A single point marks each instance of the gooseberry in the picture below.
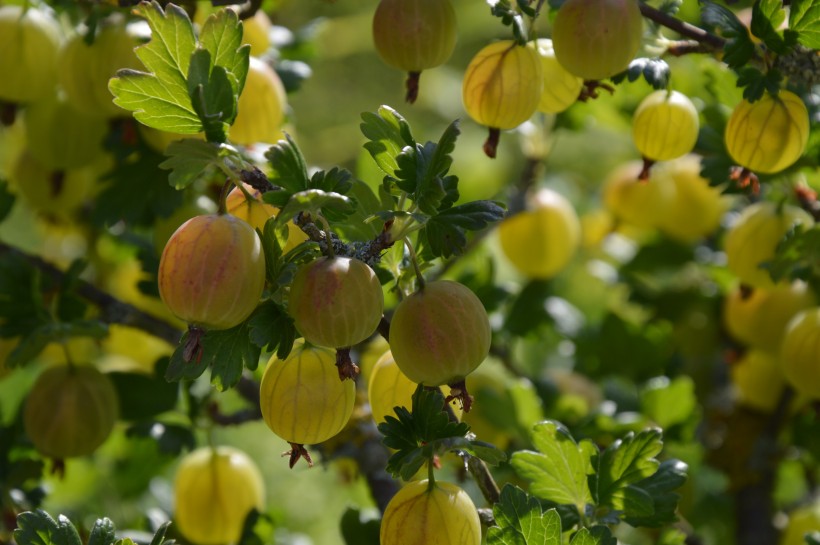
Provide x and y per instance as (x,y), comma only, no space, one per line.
(694,208)
(542,239)
(70,411)
(414,35)
(257,212)
(640,203)
(798,352)
(425,513)
(758,380)
(561,88)
(770,134)
(54,192)
(84,69)
(440,333)
(336,302)
(60,137)
(596,39)
(214,490)
(754,237)
(261,106)
(29,44)
(212,271)
(164,228)
(502,87)
(301,397)
(758,318)
(665,126)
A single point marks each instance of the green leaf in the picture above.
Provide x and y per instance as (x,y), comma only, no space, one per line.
(160,98)
(521,522)
(596,535)
(190,160)
(660,486)
(804,18)
(669,402)
(102,533)
(136,192)
(445,231)
(227,352)
(419,434)
(755,83)
(356,227)
(211,94)
(144,396)
(159,535)
(222,36)
(171,439)
(739,48)
(358,530)
(623,463)
(335,180)
(6,200)
(272,329)
(388,133)
(559,470)
(767,16)
(38,528)
(288,168)
(797,256)
(35,341)
(316,202)
(812,538)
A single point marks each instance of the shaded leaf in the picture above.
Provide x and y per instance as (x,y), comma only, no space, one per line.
(446,231)
(190,160)
(102,533)
(767,16)
(272,329)
(659,487)
(521,521)
(388,133)
(623,463)
(38,528)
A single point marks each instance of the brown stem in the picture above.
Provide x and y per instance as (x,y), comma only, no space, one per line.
(347,369)
(491,144)
(481,473)
(458,390)
(112,310)
(412,86)
(681,27)
(8,113)
(296,452)
(647,166)
(686,47)
(193,344)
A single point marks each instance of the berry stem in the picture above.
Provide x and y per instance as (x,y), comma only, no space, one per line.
(415,262)
(223,196)
(491,144)
(412,86)
(331,253)
(347,369)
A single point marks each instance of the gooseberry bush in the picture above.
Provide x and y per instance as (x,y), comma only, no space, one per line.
(225,241)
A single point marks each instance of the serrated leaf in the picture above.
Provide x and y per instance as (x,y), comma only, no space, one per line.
(222,36)
(212,95)
(804,18)
(289,170)
(559,470)
(445,232)
(316,202)
(38,528)
(190,160)
(160,97)
(623,463)
(521,522)
(35,341)
(226,352)
(388,133)
(136,192)
(358,530)
(102,533)
(336,180)
(767,16)
(659,487)
(596,535)
(739,48)
(755,83)
(272,329)
(797,255)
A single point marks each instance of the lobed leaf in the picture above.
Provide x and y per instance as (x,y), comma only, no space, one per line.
(559,470)
(520,521)
(623,463)
(804,18)
(38,528)
(387,133)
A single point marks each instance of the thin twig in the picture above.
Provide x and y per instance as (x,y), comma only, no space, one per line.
(681,27)
(112,310)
